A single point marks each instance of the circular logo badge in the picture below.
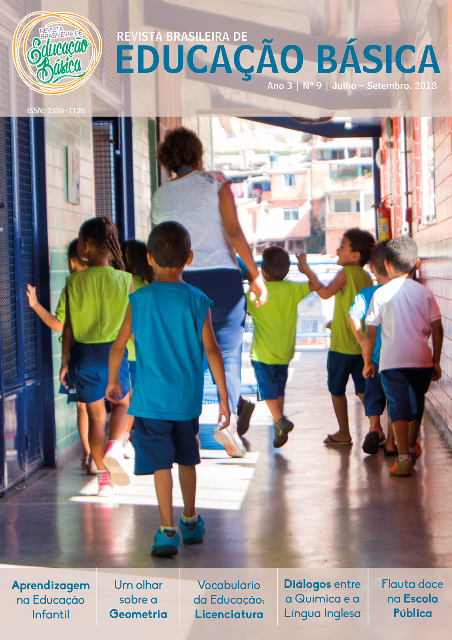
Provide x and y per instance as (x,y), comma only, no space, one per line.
(56,53)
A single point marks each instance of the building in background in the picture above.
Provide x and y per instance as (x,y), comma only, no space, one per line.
(292,189)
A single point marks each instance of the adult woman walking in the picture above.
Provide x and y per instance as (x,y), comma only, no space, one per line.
(203,202)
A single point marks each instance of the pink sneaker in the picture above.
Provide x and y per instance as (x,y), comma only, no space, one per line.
(115,462)
(105,485)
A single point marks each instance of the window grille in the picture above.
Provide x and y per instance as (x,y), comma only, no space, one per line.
(7,266)
(104,168)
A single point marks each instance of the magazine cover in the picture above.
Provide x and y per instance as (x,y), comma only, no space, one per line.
(225,319)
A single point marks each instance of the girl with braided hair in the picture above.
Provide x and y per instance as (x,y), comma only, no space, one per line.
(96,302)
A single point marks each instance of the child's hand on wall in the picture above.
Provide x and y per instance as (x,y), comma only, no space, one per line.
(31,295)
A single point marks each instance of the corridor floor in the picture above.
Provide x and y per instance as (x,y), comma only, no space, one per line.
(304,505)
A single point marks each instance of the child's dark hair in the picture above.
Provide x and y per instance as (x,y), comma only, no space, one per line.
(180,147)
(361,241)
(123,245)
(104,234)
(72,253)
(401,253)
(377,258)
(276,262)
(136,260)
(169,244)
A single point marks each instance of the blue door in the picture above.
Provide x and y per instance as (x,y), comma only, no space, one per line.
(21,436)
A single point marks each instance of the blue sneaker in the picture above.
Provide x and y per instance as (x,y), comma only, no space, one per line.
(192,532)
(166,543)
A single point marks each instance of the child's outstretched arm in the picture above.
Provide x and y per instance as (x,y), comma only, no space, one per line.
(330,289)
(369,344)
(437,341)
(47,318)
(314,282)
(215,360)
(114,389)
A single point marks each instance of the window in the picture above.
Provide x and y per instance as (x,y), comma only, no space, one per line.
(325,154)
(337,154)
(343,206)
(289,180)
(427,171)
(291,214)
(352,153)
(104,143)
(366,153)
(342,172)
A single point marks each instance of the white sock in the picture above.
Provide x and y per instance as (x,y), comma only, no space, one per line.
(402,458)
(192,519)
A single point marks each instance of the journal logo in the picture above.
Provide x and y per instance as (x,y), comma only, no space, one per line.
(55,53)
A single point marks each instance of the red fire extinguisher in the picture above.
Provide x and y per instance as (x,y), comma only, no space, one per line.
(384,224)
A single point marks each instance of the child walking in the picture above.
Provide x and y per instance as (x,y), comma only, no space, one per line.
(96,301)
(408,314)
(172,326)
(275,325)
(56,323)
(374,395)
(345,355)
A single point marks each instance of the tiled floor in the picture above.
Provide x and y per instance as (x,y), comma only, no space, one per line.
(304,505)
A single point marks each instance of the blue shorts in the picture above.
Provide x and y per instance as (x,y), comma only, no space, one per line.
(374,395)
(405,390)
(340,366)
(159,443)
(88,371)
(271,379)
(132,372)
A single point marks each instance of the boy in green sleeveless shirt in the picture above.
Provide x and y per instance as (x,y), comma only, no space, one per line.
(345,356)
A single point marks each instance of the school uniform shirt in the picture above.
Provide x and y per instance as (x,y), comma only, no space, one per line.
(405,310)
(138,283)
(167,322)
(342,337)
(98,299)
(359,309)
(275,322)
(60,311)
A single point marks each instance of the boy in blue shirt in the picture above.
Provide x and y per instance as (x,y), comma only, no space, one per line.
(171,324)
(374,397)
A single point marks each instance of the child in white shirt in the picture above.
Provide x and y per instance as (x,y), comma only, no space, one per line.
(408,314)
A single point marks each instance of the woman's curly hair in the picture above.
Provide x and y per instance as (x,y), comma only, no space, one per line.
(180,148)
